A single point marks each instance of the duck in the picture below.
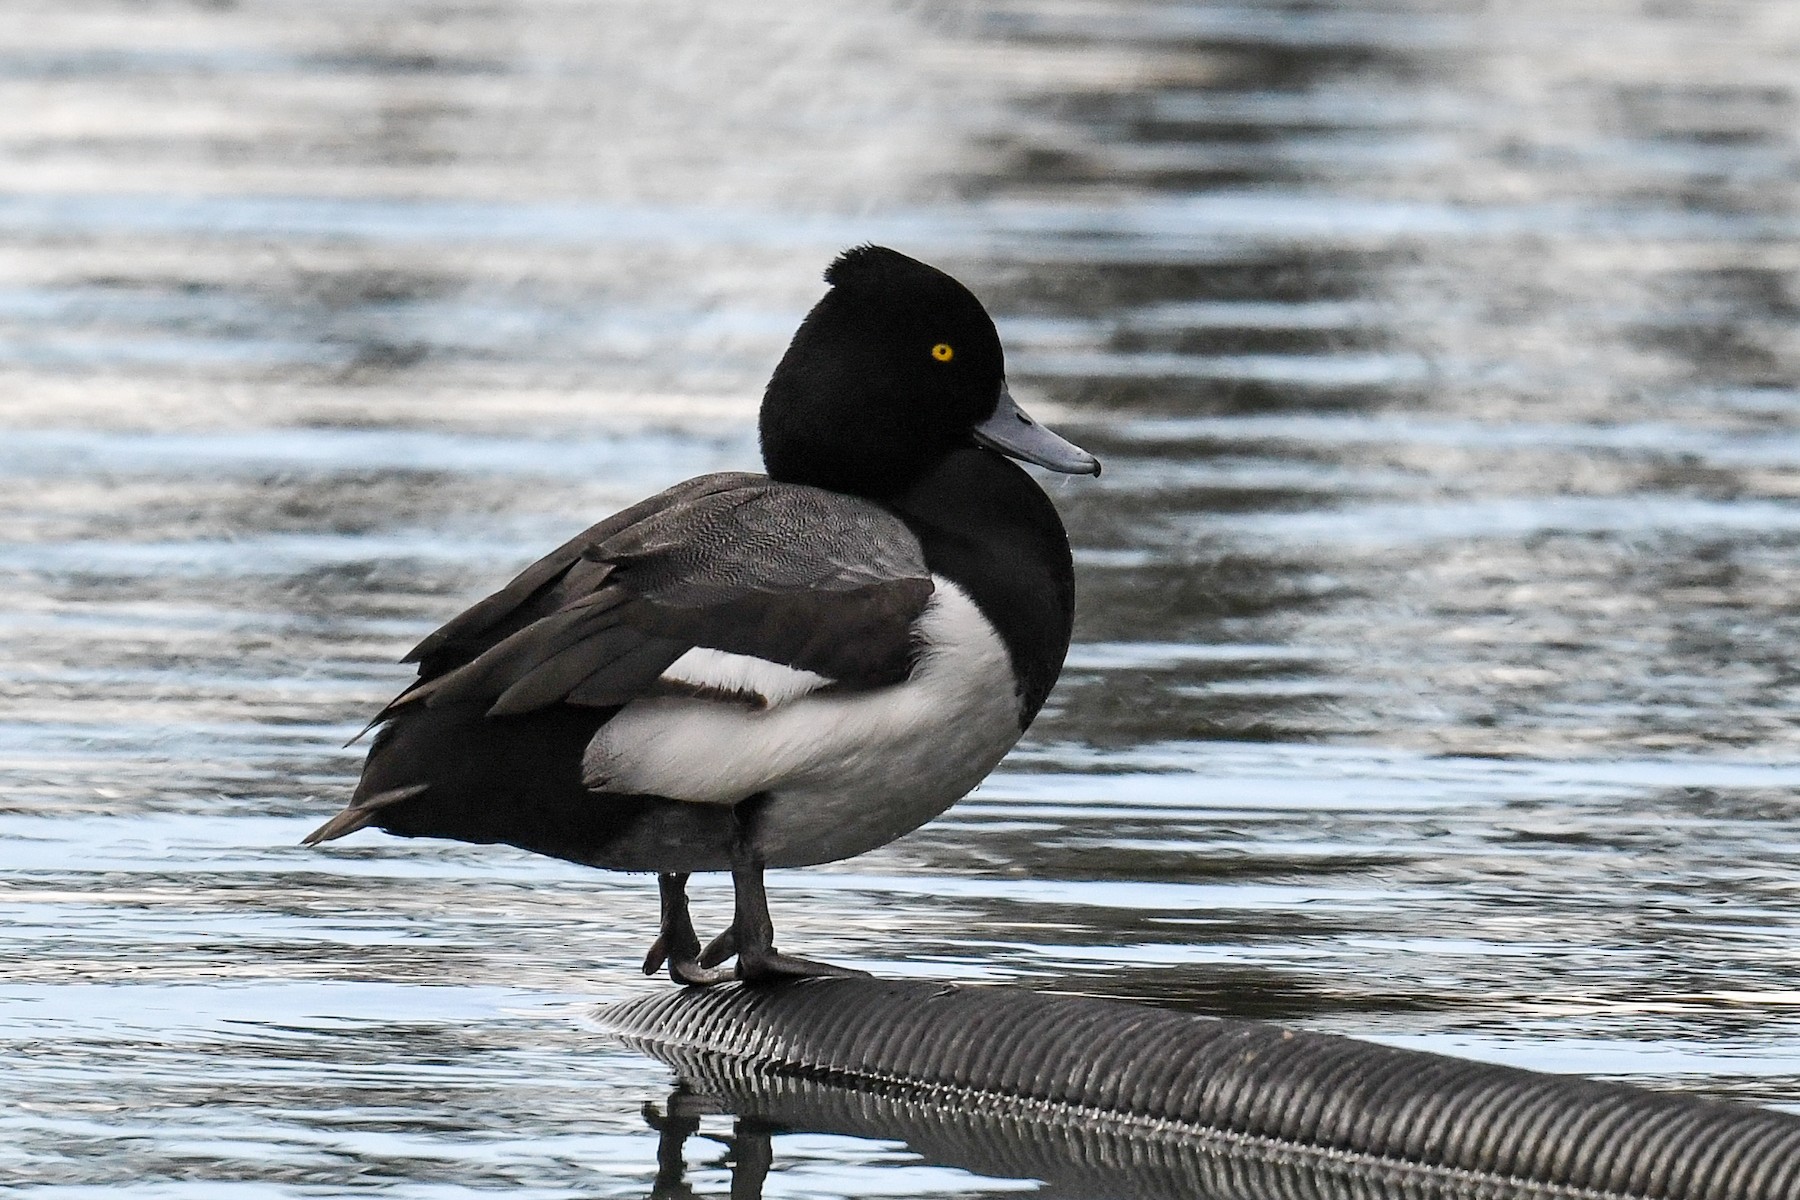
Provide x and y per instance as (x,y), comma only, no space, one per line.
(753,671)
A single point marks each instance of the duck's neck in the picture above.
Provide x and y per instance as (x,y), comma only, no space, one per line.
(988,528)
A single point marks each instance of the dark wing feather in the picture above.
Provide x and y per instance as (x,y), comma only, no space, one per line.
(631,675)
(484,624)
(794,575)
(608,669)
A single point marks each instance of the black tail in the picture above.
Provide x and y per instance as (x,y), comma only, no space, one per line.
(452,771)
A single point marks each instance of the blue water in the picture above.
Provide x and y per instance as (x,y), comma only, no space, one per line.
(1434,678)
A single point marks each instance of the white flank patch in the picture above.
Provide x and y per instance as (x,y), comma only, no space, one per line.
(743,674)
(844,772)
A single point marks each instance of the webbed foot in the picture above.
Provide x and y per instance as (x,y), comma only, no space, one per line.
(772,966)
(720,948)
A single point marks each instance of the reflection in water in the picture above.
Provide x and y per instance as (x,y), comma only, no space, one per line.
(1068,1163)
(749,1151)
(1434,673)
(1098,1098)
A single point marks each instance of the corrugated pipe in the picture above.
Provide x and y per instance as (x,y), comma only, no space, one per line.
(1114,1098)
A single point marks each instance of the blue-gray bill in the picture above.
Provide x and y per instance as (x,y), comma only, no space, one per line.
(1013,433)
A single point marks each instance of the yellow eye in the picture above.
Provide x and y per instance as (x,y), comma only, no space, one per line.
(943,352)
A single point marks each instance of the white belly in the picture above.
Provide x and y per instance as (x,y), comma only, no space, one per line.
(843,772)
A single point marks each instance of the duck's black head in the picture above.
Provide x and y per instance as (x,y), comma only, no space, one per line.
(896,367)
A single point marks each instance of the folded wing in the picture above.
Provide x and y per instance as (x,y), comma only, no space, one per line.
(752,571)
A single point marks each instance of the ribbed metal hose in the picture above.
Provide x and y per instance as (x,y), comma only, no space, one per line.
(1339,1117)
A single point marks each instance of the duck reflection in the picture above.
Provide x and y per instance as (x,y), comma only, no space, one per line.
(980,1146)
(1069,1161)
(749,1151)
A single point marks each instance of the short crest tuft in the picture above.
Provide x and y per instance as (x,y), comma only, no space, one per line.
(867,262)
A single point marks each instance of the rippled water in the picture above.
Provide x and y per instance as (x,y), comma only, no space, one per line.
(1434,679)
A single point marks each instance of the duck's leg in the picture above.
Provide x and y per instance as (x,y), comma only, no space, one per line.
(676,943)
(671,894)
(748,1150)
(757,958)
(681,1122)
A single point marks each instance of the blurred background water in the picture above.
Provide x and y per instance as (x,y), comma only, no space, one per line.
(1434,677)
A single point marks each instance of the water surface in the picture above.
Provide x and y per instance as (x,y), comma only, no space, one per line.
(1433,680)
